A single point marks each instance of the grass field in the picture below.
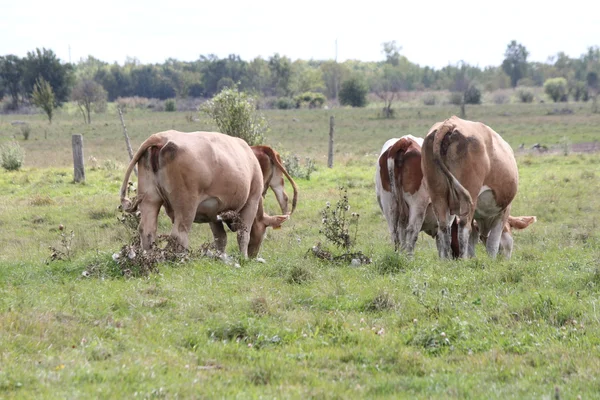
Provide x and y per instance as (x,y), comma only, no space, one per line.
(297,326)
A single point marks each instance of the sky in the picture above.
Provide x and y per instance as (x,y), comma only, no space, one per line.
(431,33)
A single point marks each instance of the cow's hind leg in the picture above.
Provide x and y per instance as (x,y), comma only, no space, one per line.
(149,209)
(415,222)
(247,216)
(182,224)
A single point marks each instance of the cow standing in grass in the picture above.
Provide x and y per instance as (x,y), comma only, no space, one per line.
(401,192)
(471,173)
(198,177)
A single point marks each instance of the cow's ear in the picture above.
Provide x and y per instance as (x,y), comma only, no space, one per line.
(521,222)
(276,221)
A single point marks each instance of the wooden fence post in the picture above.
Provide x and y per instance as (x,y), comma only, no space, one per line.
(79,170)
(330,155)
(127,139)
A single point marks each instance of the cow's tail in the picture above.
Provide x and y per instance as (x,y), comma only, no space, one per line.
(276,159)
(152,141)
(459,198)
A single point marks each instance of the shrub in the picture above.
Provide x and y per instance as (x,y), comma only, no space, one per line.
(429,99)
(525,96)
(26,131)
(285,103)
(501,98)
(291,163)
(170,105)
(310,100)
(455,98)
(354,92)
(473,95)
(235,114)
(579,91)
(12,156)
(556,89)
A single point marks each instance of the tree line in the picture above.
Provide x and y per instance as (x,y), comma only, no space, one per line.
(285,80)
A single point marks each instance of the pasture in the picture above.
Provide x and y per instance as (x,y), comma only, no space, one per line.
(297,326)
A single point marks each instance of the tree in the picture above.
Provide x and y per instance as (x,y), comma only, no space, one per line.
(43,97)
(88,93)
(354,92)
(44,63)
(515,62)
(281,74)
(556,88)
(235,114)
(464,88)
(593,88)
(387,83)
(11,73)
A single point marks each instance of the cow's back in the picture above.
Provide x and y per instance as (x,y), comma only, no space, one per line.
(209,164)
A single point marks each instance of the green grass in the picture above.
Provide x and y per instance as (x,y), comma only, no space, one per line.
(296,326)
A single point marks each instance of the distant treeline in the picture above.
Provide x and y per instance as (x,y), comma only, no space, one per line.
(280,77)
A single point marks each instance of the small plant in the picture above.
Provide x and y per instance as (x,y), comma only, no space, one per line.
(337,225)
(12,156)
(26,131)
(63,252)
(170,105)
(429,99)
(525,96)
(291,163)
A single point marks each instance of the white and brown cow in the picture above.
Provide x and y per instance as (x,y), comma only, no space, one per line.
(273,173)
(401,193)
(471,173)
(197,177)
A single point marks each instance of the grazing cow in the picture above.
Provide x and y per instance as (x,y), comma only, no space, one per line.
(273,172)
(401,192)
(198,177)
(471,173)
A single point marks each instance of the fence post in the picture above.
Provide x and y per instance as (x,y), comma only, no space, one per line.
(330,155)
(79,170)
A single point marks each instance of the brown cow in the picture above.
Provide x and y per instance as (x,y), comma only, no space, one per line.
(273,172)
(471,173)
(401,192)
(197,177)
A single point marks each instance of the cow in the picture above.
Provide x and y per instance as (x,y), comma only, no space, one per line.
(273,172)
(406,217)
(198,177)
(401,192)
(471,173)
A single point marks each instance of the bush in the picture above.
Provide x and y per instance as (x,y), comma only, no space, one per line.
(501,98)
(354,92)
(12,156)
(291,162)
(170,105)
(26,131)
(285,103)
(525,96)
(473,95)
(429,99)
(236,115)
(579,91)
(556,89)
(455,98)
(310,100)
